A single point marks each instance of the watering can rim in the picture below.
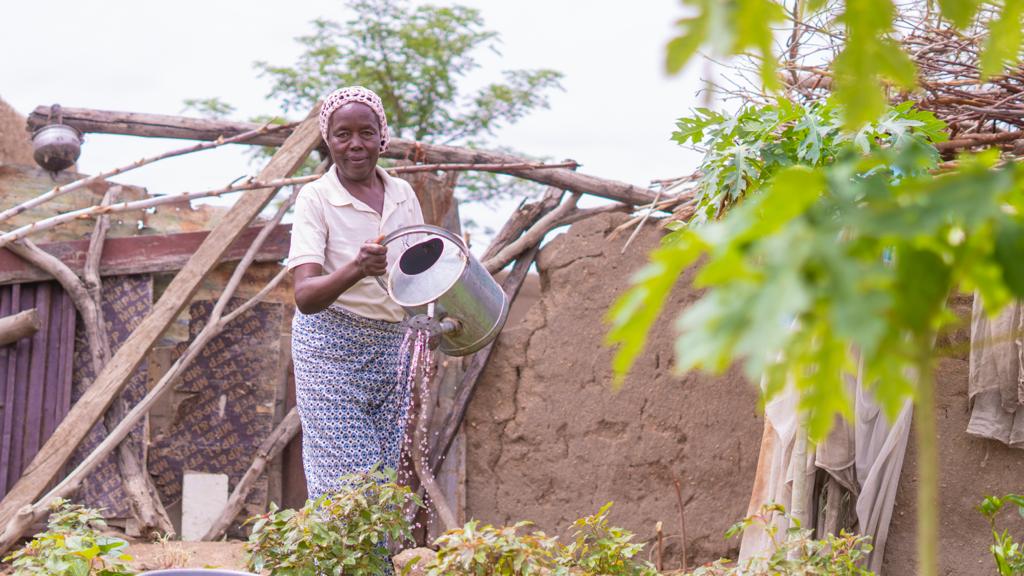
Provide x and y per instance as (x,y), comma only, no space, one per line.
(420,229)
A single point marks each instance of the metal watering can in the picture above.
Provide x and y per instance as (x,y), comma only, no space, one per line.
(444,288)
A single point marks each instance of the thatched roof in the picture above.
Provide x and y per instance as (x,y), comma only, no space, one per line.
(15,144)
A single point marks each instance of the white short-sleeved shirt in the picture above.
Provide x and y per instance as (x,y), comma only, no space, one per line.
(331,225)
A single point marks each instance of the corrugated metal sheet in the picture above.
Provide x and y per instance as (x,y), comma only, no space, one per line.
(35,375)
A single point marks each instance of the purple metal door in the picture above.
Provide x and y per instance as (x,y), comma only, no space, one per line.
(35,375)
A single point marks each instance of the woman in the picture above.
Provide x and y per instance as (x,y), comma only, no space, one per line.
(346,333)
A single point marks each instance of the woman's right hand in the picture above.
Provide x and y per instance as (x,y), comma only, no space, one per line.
(372,259)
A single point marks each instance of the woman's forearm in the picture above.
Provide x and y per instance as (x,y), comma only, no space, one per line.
(316,292)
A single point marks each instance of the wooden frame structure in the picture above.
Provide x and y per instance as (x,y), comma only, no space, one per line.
(518,241)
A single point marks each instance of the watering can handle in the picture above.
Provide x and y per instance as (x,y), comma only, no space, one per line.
(419,229)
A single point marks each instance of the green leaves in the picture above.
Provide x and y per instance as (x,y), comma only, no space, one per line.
(743,151)
(795,553)
(1003,45)
(337,533)
(841,252)
(868,57)
(959,12)
(1007,554)
(504,551)
(1008,250)
(72,544)
(923,280)
(729,27)
(597,549)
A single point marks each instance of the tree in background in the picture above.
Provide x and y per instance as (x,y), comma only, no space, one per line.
(417,59)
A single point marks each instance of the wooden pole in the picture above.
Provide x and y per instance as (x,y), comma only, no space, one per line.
(18,326)
(83,182)
(161,126)
(53,456)
(443,441)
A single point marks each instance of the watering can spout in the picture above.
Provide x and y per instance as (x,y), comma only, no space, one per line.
(447,326)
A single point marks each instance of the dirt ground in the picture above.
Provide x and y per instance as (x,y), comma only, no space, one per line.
(156,556)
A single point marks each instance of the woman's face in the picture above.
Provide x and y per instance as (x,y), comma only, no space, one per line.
(353,139)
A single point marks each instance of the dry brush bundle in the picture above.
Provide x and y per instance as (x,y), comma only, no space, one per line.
(980,110)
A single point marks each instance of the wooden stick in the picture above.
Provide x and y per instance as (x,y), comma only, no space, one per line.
(533,236)
(640,224)
(91,276)
(443,441)
(524,217)
(152,125)
(660,564)
(93,256)
(268,450)
(682,515)
(158,125)
(86,412)
(18,326)
(150,254)
(974,140)
(82,182)
(420,455)
(138,485)
(502,167)
(87,308)
(255,186)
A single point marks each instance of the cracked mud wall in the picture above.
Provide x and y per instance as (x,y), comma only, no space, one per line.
(969,469)
(548,441)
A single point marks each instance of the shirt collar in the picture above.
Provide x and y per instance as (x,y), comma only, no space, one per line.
(337,195)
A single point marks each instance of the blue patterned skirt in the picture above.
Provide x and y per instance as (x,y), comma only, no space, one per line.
(352,394)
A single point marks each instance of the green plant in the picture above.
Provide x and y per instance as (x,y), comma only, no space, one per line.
(742,151)
(795,554)
(1008,555)
(797,287)
(601,549)
(73,545)
(824,267)
(339,533)
(597,549)
(475,550)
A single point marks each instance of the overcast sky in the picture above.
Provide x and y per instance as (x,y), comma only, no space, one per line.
(615,116)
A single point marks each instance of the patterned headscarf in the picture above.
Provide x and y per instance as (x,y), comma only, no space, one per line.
(343,96)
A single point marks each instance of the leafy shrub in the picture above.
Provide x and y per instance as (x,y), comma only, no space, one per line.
(602,549)
(597,549)
(340,533)
(1007,554)
(72,544)
(473,550)
(796,554)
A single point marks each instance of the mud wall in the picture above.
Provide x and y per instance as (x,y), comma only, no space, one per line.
(549,441)
(970,469)
(15,144)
